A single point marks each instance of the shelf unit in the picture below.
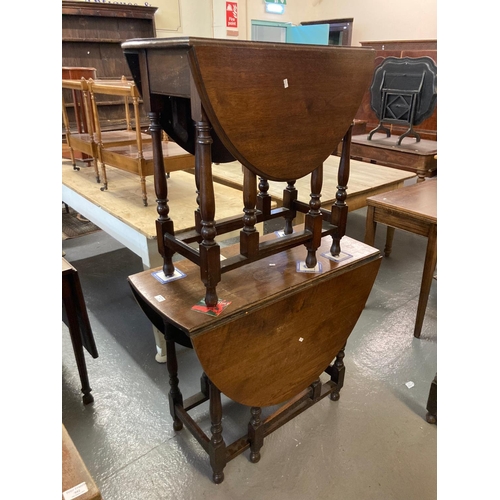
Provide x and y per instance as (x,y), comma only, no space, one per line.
(92,34)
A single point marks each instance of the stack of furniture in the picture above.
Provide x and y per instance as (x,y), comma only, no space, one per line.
(80,142)
(268,315)
(130,149)
(137,156)
(73,103)
(85,138)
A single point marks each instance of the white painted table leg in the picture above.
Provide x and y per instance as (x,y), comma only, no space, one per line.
(161,346)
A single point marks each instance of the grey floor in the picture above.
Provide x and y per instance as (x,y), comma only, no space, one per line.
(374,443)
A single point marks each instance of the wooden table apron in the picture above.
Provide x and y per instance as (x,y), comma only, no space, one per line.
(418,157)
(279,320)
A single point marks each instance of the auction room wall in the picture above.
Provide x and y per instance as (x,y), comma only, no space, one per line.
(388,20)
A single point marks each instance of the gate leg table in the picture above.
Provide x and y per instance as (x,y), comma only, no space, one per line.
(414,209)
(264,323)
(279,333)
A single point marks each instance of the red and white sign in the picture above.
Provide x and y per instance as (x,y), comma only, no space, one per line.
(232,15)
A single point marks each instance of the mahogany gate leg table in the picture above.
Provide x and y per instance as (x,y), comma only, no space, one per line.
(414,209)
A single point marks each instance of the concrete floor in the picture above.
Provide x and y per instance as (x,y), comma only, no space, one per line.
(374,443)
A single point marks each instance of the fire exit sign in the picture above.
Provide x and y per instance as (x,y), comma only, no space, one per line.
(282,2)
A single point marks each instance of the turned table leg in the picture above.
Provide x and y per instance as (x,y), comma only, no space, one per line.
(216,447)
(255,434)
(174,395)
(338,374)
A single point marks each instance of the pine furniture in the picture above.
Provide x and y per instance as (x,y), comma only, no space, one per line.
(135,155)
(129,149)
(89,137)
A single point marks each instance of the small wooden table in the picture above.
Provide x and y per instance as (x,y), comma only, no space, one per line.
(76,317)
(417,157)
(414,209)
(278,334)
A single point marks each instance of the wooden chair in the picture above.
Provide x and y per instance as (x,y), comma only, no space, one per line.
(263,331)
(89,139)
(136,155)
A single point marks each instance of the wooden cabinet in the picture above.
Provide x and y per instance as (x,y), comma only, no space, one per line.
(92,34)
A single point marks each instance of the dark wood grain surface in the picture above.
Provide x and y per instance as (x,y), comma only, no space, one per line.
(278,319)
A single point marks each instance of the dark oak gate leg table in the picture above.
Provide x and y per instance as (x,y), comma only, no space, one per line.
(414,209)
(272,330)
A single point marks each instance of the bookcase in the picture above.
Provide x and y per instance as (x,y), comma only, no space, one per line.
(92,34)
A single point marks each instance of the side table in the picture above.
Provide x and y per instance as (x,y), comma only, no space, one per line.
(414,209)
